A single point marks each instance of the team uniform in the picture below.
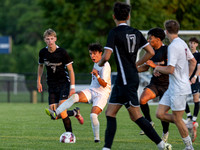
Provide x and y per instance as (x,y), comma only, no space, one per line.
(196,86)
(125,42)
(57,76)
(179,86)
(97,94)
(159,84)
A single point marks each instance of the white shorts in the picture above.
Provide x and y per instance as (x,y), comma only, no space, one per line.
(175,102)
(96,98)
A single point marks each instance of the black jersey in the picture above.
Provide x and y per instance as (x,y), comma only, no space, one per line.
(160,55)
(197,57)
(55,64)
(125,42)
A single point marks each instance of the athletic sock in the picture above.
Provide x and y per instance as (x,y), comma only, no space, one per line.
(196,111)
(95,125)
(67,124)
(146,111)
(70,113)
(165,126)
(110,131)
(67,104)
(148,129)
(187,141)
(187,110)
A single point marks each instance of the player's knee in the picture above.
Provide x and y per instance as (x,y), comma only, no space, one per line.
(94,118)
(159,115)
(143,100)
(64,114)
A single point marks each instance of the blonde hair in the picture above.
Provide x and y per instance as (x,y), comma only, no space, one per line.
(49,32)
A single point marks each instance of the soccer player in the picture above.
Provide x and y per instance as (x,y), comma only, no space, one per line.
(180,66)
(191,120)
(57,62)
(158,85)
(98,92)
(124,41)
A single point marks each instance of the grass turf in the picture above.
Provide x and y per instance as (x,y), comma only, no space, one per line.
(25,126)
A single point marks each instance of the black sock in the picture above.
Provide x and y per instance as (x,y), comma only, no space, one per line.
(110,131)
(146,111)
(148,130)
(67,124)
(196,109)
(70,113)
(165,126)
(187,108)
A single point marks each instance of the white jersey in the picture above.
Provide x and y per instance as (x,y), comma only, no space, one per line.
(178,56)
(105,74)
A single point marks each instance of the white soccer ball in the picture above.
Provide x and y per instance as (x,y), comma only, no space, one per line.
(67,137)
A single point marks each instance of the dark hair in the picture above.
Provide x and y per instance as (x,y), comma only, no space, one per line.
(157,32)
(172,26)
(95,47)
(194,39)
(121,11)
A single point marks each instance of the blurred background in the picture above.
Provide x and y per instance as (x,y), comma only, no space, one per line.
(77,23)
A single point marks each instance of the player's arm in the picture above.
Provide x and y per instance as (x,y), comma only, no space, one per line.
(192,64)
(164,70)
(143,68)
(194,78)
(39,76)
(72,78)
(149,53)
(105,57)
(100,80)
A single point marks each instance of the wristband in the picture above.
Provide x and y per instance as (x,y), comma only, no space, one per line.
(195,76)
(98,77)
(72,86)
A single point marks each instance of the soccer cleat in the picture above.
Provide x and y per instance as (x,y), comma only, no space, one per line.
(165,137)
(168,146)
(153,125)
(194,132)
(51,113)
(78,115)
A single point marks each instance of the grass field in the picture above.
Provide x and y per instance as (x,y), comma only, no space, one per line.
(25,126)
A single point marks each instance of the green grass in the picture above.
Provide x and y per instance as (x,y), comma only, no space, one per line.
(25,126)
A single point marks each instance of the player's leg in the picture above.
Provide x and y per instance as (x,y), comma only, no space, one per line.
(145,125)
(111,128)
(195,114)
(77,97)
(95,122)
(147,95)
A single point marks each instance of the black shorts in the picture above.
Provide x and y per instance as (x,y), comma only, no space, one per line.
(159,90)
(195,88)
(58,92)
(124,95)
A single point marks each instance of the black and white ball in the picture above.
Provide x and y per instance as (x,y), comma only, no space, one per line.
(67,137)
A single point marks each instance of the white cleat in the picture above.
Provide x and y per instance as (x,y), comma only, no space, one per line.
(165,137)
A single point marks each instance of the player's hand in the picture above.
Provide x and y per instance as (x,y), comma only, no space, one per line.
(193,80)
(72,91)
(94,72)
(156,73)
(151,63)
(39,87)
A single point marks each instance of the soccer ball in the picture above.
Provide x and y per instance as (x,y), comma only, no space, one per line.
(67,137)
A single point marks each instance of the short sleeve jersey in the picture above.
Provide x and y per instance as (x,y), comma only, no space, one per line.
(55,63)
(125,42)
(178,56)
(105,74)
(197,57)
(160,55)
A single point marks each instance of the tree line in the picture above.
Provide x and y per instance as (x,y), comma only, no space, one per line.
(78,23)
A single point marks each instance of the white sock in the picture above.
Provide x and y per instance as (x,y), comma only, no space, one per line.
(194,118)
(187,141)
(67,104)
(161,145)
(189,114)
(95,125)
